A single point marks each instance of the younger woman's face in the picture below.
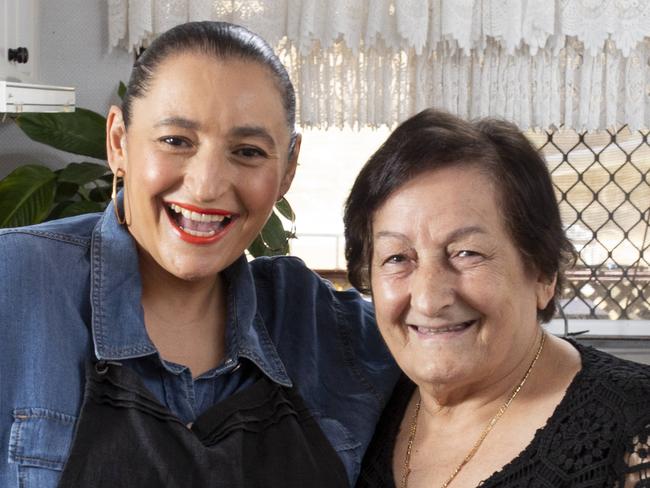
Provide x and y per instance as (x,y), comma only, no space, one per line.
(205,158)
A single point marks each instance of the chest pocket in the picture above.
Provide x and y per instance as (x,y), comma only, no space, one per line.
(39,443)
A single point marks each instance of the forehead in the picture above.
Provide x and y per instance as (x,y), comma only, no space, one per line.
(211,88)
(441,200)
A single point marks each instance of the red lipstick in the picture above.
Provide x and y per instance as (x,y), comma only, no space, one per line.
(203,231)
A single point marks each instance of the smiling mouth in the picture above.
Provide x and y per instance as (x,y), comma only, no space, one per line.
(196,225)
(433,331)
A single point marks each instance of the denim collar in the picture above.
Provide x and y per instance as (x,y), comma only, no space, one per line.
(118,321)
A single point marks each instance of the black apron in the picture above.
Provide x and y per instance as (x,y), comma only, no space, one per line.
(262,436)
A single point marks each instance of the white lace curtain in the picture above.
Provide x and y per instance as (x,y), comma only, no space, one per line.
(582,64)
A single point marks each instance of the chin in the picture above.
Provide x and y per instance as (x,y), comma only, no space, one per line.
(439,373)
(194,271)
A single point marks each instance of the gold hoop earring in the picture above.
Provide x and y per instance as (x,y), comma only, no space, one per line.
(118,174)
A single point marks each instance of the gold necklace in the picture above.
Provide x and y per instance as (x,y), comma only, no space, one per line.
(477,444)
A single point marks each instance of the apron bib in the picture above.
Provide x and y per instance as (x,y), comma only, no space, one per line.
(262,436)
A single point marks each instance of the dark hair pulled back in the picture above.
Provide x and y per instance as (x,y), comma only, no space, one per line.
(221,40)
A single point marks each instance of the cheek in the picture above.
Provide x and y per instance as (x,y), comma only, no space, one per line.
(507,299)
(159,174)
(390,297)
(259,191)
(153,175)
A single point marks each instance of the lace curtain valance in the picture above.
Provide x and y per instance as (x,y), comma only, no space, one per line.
(583,64)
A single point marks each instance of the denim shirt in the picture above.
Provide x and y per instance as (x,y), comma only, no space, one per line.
(71,292)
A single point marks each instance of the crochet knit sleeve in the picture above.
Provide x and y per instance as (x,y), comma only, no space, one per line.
(637,459)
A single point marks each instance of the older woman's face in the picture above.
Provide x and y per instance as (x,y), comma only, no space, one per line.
(205,157)
(454,302)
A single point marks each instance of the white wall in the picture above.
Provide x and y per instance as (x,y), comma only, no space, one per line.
(74,52)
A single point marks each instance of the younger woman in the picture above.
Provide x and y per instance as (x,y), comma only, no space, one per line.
(139,347)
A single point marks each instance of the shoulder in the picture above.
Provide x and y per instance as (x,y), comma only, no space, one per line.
(618,386)
(286,282)
(52,252)
(69,233)
(600,421)
(620,374)
(301,308)
(288,277)
(47,265)
(289,271)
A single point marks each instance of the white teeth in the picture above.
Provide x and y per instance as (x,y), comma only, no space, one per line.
(196,216)
(198,233)
(442,330)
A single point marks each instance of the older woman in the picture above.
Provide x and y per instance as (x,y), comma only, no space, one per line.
(140,348)
(454,229)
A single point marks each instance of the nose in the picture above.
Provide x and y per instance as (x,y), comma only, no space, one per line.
(208,176)
(432,288)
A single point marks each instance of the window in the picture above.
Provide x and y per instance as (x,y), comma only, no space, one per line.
(602,182)
(328,164)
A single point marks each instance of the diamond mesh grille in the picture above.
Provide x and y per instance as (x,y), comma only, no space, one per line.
(602,183)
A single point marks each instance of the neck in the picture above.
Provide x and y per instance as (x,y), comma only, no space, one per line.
(184,319)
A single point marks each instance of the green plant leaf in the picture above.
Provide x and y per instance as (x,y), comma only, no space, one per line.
(26,195)
(68,209)
(273,240)
(274,236)
(121,90)
(82,173)
(285,209)
(65,191)
(79,132)
(101,194)
(257,248)
(55,213)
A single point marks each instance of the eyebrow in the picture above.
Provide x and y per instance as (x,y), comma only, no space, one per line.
(465,231)
(388,233)
(454,236)
(237,132)
(253,131)
(178,122)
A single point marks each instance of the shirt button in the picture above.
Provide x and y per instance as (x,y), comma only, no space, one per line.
(230,362)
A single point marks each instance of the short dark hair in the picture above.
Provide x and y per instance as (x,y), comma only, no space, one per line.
(221,40)
(433,139)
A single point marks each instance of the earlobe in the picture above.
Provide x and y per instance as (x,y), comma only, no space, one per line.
(545,291)
(116,139)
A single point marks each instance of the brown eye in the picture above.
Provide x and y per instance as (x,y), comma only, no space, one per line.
(395,259)
(467,254)
(250,152)
(175,141)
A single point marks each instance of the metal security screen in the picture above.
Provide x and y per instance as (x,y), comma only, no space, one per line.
(602,182)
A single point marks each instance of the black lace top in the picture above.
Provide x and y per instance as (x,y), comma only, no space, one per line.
(598,436)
